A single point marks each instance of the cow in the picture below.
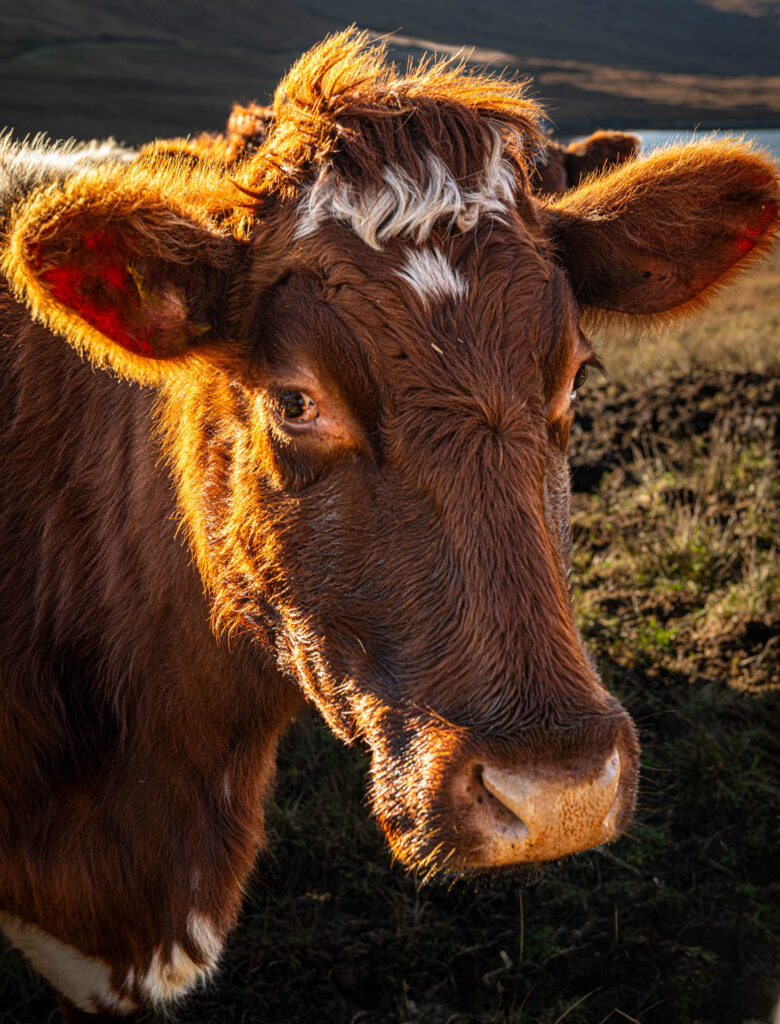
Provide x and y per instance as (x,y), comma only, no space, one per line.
(332,468)
(557,168)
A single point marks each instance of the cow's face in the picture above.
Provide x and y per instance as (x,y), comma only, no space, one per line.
(367,394)
(407,417)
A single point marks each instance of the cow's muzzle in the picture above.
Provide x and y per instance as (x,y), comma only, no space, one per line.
(542,814)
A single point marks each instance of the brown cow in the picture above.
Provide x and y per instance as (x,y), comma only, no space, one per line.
(557,168)
(361,368)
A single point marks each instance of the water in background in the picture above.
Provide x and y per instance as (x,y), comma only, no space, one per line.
(652,138)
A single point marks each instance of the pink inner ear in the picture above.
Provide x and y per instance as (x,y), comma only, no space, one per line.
(755,231)
(68,283)
(134,298)
(99,292)
(102,241)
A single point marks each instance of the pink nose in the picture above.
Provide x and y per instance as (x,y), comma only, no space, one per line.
(539,815)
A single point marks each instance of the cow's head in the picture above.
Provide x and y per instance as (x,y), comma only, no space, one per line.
(368,361)
(557,168)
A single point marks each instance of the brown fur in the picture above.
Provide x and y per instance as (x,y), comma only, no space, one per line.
(558,168)
(662,234)
(403,563)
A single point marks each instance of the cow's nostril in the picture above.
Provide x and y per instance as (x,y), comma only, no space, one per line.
(552,813)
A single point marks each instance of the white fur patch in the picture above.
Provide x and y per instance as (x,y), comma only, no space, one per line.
(431,276)
(168,979)
(83,979)
(208,941)
(400,207)
(23,165)
(86,981)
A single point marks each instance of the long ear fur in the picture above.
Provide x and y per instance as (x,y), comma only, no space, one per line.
(129,272)
(659,234)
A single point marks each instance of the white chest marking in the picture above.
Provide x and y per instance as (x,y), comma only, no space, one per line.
(83,979)
(168,979)
(86,981)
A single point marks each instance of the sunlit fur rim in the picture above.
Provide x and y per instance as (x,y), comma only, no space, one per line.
(347,78)
(602,195)
(138,201)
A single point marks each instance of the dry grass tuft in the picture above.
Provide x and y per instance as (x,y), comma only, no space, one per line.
(740,330)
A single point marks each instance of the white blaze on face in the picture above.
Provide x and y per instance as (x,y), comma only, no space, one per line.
(403,207)
(431,276)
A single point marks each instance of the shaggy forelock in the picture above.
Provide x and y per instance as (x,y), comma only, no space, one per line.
(408,207)
(394,155)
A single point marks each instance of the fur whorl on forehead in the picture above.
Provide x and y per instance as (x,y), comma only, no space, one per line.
(345,108)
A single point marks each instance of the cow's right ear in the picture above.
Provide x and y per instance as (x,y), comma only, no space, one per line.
(656,236)
(129,272)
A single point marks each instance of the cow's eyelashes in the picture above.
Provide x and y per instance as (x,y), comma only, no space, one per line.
(579,379)
(293,407)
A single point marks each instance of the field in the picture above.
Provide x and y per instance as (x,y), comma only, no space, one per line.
(676,590)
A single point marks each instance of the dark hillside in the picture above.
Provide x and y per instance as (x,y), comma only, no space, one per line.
(71,67)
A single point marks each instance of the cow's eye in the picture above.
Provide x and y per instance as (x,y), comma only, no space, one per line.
(579,379)
(295,407)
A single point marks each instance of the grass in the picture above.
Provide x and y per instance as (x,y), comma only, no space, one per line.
(676,593)
(740,330)
(684,559)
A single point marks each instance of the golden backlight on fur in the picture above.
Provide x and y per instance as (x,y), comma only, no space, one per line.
(400,558)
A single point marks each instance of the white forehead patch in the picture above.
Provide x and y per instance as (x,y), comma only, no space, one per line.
(403,207)
(431,276)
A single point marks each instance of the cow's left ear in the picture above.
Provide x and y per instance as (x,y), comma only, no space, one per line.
(127,270)
(657,234)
